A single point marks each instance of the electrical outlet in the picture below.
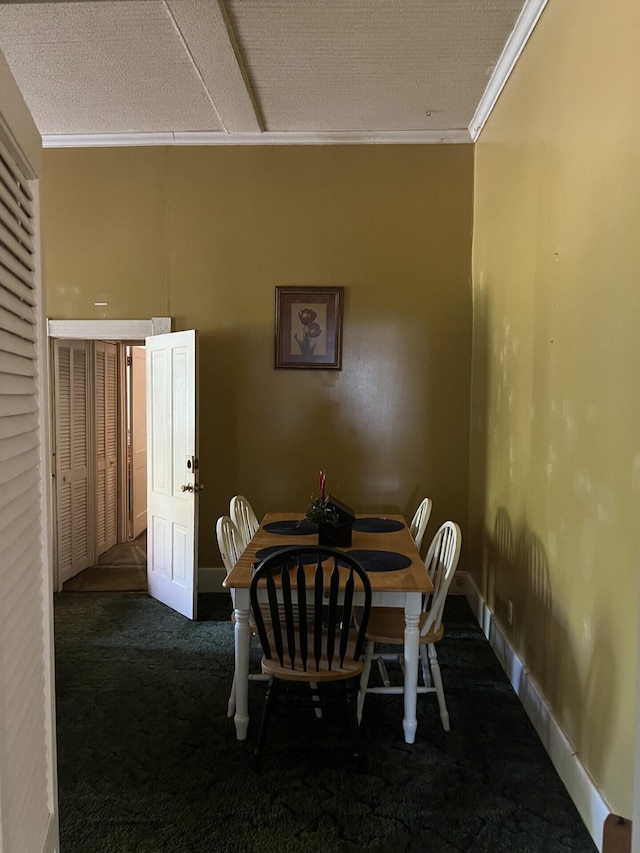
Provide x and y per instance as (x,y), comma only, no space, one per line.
(457,586)
(510,612)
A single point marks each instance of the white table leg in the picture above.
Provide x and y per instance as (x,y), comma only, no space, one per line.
(412,607)
(242,635)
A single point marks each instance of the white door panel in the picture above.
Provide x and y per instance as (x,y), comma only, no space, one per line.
(172,494)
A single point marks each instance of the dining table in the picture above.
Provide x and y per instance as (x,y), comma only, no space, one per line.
(384,547)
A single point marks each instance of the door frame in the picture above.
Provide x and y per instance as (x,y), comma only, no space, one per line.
(119,331)
(136,401)
(111,330)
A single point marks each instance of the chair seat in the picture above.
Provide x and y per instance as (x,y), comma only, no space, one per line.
(349,669)
(386,625)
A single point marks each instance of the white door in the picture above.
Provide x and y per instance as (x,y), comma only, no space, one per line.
(71,458)
(138,446)
(172,481)
(106,444)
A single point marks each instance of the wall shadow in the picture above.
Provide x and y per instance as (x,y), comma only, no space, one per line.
(518,570)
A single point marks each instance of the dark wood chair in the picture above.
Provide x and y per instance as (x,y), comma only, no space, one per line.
(303,600)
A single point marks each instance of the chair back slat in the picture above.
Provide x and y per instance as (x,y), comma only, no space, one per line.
(332,612)
(287,606)
(274,614)
(347,611)
(318,601)
(261,630)
(301,581)
(300,612)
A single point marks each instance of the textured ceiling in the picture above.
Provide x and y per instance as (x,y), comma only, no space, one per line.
(262,70)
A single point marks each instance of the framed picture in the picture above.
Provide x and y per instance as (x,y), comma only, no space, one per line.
(309,327)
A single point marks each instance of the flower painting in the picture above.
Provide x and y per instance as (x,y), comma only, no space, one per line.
(308,329)
(309,334)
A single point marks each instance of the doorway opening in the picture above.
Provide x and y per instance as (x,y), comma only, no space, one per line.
(82,481)
(99,441)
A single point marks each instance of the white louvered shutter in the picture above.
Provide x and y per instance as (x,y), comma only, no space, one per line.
(72,458)
(106,420)
(25,758)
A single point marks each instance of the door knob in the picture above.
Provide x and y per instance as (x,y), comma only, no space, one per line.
(191,487)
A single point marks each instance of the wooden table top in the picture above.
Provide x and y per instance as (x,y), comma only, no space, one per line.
(412,579)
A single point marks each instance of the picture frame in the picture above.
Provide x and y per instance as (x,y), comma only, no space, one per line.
(308,327)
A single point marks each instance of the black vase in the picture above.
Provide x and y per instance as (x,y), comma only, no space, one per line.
(335,536)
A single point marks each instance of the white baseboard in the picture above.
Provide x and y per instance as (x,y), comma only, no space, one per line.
(582,789)
(210,579)
(52,841)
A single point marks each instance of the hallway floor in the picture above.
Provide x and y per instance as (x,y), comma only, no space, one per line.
(122,568)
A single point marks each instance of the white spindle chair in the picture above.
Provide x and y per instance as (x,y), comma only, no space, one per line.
(386,625)
(231,547)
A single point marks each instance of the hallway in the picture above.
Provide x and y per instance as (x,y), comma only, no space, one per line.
(122,568)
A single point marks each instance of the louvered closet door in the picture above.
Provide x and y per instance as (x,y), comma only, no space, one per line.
(25,699)
(72,457)
(106,420)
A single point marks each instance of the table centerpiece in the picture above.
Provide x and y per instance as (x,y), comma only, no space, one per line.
(334,519)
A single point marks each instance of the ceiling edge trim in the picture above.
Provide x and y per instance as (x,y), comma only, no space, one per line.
(516,42)
(100,140)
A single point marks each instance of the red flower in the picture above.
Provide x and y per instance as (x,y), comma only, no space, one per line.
(307,316)
(313,330)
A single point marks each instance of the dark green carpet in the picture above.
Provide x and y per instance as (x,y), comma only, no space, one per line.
(148,761)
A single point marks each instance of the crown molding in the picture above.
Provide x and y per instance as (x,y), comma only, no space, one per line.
(390,137)
(522,31)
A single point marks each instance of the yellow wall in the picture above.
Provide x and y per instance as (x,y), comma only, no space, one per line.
(555,450)
(206,234)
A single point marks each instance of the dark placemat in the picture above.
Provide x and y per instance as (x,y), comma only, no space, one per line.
(377,525)
(380,561)
(289,527)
